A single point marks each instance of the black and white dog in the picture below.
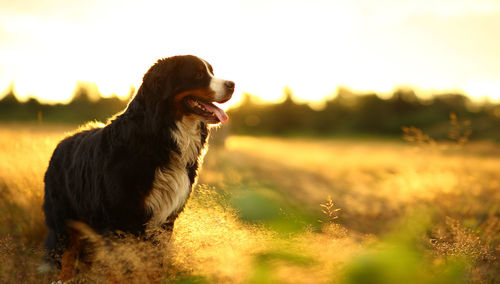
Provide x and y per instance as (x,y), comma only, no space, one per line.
(137,172)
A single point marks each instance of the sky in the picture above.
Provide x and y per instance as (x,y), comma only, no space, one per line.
(311,46)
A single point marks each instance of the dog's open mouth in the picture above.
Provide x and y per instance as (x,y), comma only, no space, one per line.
(207,110)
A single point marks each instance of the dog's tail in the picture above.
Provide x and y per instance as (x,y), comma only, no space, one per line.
(85,232)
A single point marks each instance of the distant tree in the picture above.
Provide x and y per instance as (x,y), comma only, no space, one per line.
(404,100)
(85,92)
(289,116)
(10,96)
(452,103)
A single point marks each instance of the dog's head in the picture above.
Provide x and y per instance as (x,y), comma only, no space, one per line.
(185,85)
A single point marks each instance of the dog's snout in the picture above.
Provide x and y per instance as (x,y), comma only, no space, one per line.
(229,84)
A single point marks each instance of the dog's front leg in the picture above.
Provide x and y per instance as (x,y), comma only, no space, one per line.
(69,257)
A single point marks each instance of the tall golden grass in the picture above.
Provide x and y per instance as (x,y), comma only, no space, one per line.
(408,213)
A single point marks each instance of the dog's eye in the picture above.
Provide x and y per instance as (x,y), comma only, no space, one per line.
(199,76)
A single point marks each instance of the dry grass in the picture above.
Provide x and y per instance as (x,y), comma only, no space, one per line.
(257,216)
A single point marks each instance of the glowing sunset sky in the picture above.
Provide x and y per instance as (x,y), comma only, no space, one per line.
(312,46)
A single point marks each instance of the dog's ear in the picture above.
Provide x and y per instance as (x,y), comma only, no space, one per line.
(158,81)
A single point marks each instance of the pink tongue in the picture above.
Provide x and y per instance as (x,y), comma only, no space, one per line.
(221,114)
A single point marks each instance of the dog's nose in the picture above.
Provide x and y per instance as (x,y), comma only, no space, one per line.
(229,84)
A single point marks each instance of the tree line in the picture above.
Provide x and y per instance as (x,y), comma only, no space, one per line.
(86,104)
(347,113)
(350,113)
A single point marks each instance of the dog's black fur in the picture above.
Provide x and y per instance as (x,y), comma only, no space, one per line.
(102,176)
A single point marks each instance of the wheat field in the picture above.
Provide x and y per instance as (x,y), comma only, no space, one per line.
(285,210)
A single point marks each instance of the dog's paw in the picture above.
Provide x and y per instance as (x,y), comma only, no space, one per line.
(45,268)
(62,282)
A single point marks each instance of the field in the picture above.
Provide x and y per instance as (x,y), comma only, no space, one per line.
(286,210)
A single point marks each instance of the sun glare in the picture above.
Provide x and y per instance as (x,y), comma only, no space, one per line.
(313,47)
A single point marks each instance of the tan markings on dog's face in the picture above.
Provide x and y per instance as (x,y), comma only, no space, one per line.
(205,94)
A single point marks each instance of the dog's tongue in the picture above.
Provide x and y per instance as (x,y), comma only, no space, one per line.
(218,112)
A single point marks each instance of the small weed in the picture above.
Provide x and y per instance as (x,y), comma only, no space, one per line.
(329,211)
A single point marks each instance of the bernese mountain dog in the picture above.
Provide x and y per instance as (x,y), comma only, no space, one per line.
(137,172)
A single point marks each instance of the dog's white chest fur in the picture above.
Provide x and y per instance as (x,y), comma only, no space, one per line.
(171,185)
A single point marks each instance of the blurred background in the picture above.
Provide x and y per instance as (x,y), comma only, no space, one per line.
(362,145)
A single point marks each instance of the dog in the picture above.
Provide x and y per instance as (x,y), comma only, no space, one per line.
(137,172)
